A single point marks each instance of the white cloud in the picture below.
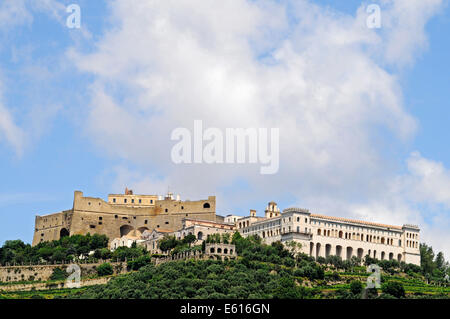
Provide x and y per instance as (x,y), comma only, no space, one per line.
(9,131)
(246,64)
(14,13)
(404,27)
(429,181)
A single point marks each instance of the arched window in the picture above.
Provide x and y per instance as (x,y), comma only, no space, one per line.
(200,235)
(206,205)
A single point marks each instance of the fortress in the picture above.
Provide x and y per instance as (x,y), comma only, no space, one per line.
(122,215)
(130,217)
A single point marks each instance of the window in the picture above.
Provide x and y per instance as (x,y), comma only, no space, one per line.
(167,223)
(151,201)
(182,207)
(206,205)
(132,201)
(100,218)
(145,222)
(166,210)
(91,226)
(114,200)
(140,201)
(115,216)
(125,200)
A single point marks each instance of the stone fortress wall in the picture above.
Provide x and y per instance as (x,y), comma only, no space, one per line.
(121,216)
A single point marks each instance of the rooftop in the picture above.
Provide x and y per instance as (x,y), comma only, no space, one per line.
(355,221)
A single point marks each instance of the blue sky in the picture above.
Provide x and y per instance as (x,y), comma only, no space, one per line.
(77,107)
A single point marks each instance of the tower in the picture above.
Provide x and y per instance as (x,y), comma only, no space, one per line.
(272,210)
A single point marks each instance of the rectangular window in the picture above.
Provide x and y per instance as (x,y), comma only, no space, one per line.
(125,200)
(114,200)
(140,201)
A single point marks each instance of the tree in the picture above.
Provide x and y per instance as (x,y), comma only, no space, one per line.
(394,288)
(167,243)
(105,269)
(440,261)
(189,239)
(426,259)
(58,274)
(356,287)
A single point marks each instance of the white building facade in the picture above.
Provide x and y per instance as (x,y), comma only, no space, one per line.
(322,236)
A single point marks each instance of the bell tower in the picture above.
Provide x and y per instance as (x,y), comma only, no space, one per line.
(272,210)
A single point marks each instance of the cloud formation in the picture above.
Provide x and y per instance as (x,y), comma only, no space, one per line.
(319,75)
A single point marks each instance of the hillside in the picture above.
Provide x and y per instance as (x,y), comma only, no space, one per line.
(262,271)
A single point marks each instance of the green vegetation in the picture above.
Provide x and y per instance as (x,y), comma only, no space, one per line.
(59,274)
(105,269)
(260,271)
(66,249)
(394,288)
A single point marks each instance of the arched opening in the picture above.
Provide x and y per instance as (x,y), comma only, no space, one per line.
(349,253)
(212,250)
(319,232)
(200,235)
(219,250)
(382,240)
(382,255)
(206,205)
(399,257)
(63,233)
(327,250)
(374,254)
(340,234)
(231,251)
(391,256)
(360,253)
(317,250)
(311,249)
(225,251)
(125,230)
(339,251)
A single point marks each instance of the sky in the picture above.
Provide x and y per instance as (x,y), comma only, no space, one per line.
(362,112)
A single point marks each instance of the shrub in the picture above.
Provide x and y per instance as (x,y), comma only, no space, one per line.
(105,269)
(393,288)
(139,262)
(356,287)
(58,274)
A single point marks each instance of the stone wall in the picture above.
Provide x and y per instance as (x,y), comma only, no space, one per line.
(96,216)
(43,272)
